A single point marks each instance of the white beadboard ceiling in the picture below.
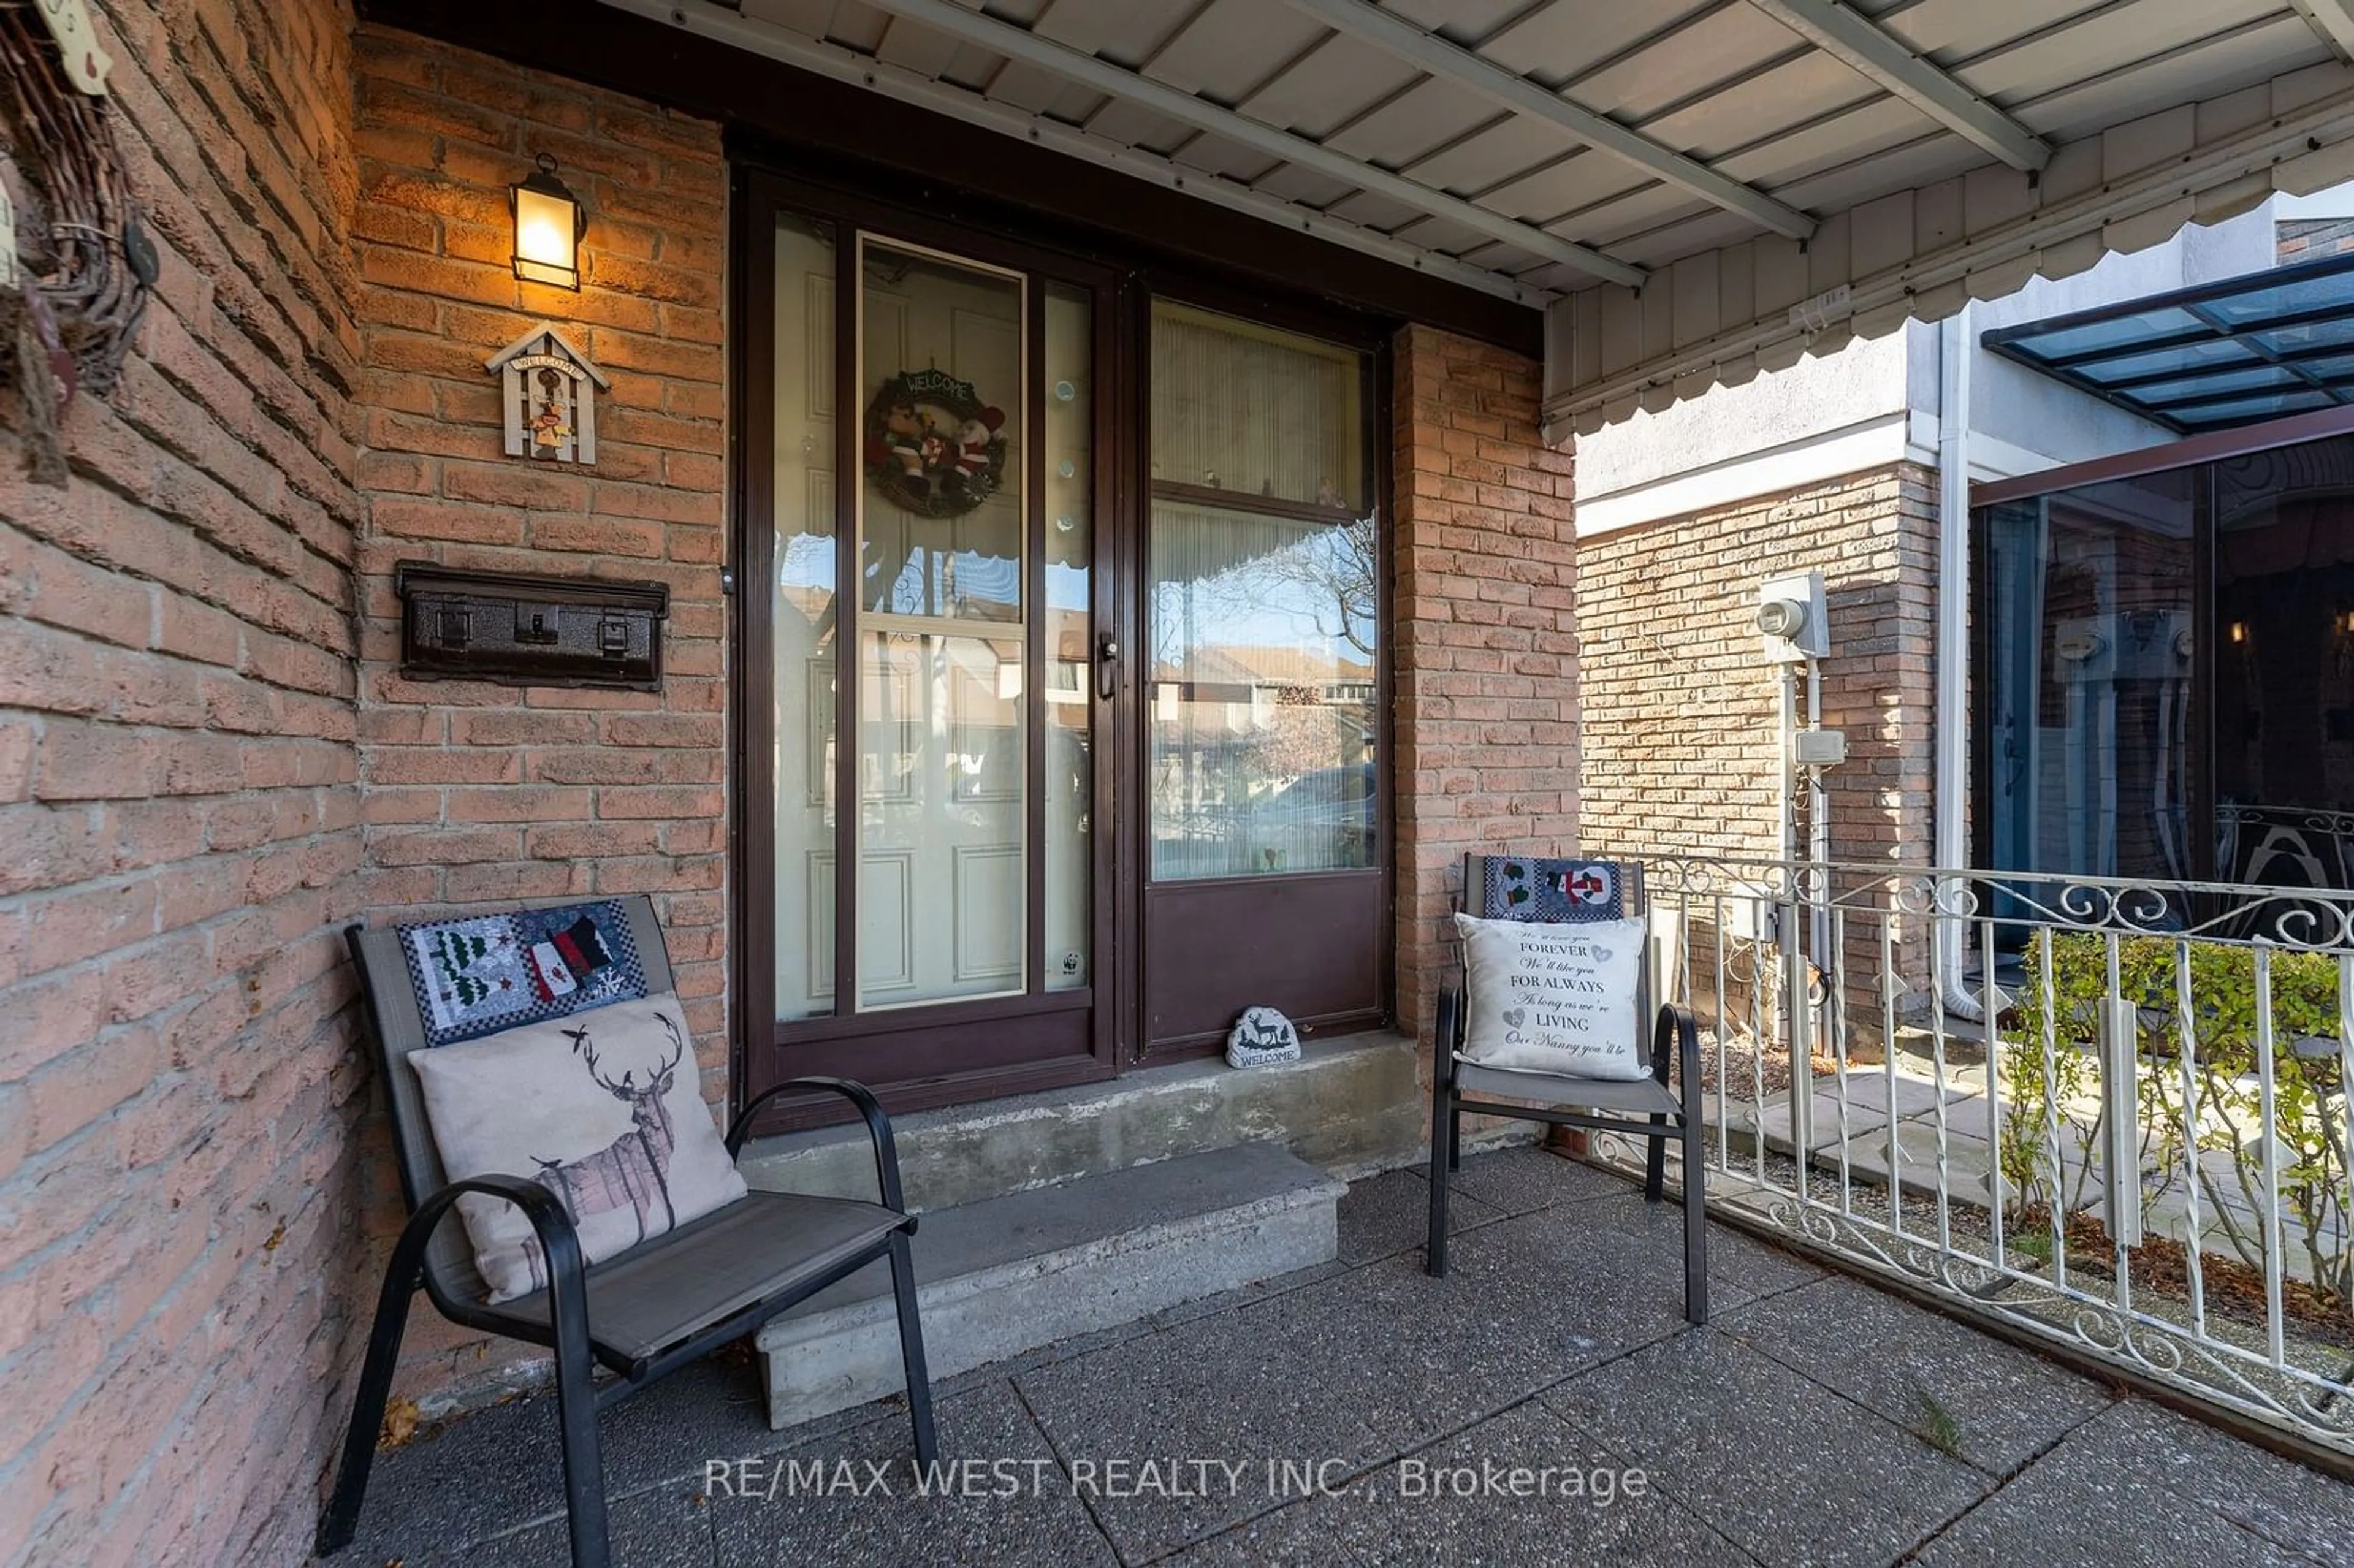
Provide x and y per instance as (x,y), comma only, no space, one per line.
(1692,189)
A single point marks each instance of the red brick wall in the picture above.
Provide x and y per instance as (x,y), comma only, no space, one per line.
(476,793)
(207,763)
(1484,643)
(179,839)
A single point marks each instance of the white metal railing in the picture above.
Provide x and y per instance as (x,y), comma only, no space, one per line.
(2142,1152)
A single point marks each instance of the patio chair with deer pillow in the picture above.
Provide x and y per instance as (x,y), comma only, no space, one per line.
(542,1082)
(1548,1025)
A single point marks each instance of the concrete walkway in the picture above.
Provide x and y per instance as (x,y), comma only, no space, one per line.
(1814,1421)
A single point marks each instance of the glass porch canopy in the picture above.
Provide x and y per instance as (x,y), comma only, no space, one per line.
(2233,353)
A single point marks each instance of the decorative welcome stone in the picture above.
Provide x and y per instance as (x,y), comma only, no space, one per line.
(1261,1038)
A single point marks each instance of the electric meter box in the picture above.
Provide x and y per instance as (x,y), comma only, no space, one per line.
(1791,619)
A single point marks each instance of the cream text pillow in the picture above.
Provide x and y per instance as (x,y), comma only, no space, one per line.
(1555,998)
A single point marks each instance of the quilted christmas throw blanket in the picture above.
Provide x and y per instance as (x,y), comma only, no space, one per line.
(487,972)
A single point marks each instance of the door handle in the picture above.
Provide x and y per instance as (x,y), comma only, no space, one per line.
(1107,667)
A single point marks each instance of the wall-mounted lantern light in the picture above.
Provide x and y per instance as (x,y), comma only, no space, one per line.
(549,223)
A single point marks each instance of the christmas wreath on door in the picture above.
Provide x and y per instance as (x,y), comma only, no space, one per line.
(933,447)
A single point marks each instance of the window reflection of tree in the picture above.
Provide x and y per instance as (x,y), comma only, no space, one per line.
(1328,576)
(1336,571)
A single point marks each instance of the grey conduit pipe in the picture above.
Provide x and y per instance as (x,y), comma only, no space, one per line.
(1952,763)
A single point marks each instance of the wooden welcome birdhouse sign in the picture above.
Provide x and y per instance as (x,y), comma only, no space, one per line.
(551,397)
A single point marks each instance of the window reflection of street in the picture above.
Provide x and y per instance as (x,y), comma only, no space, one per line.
(1263,718)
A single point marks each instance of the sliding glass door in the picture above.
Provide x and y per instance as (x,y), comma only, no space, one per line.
(2165,680)
(2091,637)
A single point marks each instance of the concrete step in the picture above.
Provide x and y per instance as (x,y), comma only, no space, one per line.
(1349,1106)
(1005,1275)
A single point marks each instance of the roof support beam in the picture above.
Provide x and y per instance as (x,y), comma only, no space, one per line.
(1511,90)
(1101,76)
(1848,37)
(773,42)
(2332,21)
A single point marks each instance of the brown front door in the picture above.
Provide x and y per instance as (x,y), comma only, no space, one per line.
(927,490)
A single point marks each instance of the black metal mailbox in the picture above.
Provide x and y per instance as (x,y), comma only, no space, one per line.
(523,630)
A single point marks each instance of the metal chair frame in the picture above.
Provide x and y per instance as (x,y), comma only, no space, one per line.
(1675,1053)
(568,1329)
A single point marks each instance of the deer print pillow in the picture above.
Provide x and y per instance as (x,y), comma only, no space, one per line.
(1553,997)
(602,1109)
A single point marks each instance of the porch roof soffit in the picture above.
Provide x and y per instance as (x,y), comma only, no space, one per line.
(1691,188)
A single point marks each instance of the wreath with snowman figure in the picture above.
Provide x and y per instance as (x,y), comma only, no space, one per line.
(932,445)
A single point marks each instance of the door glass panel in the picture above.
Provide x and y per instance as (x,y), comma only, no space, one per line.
(1069,696)
(941,868)
(943,710)
(942,374)
(801,614)
(1264,603)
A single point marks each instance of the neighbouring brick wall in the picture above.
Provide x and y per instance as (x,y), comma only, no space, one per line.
(1679,705)
(473,793)
(181,1261)
(1484,636)
(2311,238)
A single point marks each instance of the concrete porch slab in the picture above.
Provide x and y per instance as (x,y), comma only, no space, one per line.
(1789,1470)
(1780,1433)
(2138,1483)
(2005,1405)
(1349,1106)
(1007,1274)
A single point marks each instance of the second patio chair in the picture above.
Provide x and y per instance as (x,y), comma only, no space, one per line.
(1558,896)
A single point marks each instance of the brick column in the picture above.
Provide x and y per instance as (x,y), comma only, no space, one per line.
(473,793)
(1484,646)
